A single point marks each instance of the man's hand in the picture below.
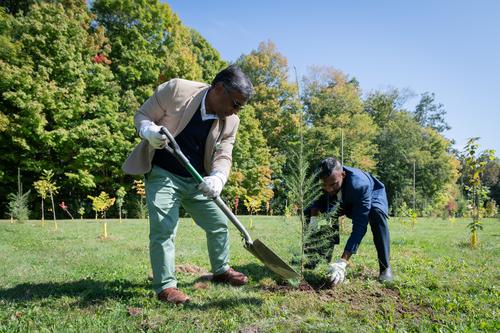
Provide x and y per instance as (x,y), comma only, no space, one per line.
(337,271)
(212,185)
(313,223)
(151,132)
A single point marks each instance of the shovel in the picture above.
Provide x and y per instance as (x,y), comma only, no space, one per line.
(255,247)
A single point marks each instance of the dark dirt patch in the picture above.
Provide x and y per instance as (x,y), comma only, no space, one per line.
(107,239)
(362,299)
(201,285)
(190,269)
(250,329)
(134,311)
(378,298)
(152,324)
(16,315)
(303,286)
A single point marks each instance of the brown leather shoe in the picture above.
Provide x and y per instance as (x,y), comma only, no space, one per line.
(173,295)
(232,277)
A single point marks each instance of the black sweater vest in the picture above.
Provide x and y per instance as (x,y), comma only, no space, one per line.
(192,141)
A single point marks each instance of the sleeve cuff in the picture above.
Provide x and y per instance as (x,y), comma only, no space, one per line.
(221,176)
(144,125)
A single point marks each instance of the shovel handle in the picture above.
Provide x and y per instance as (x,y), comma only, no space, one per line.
(175,150)
(219,202)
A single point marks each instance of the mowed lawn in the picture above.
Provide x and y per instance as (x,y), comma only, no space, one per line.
(70,280)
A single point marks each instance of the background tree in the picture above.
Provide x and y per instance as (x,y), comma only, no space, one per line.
(52,189)
(253,206)
(251,170)
(15,7)
(275,99)
(148,43)
(491,177)
(276,107)
(207,57)
(383,106)
(302,185)
(120,195)
(474,168)
(101,204)
(18,202)
(42,188)
(73,73)
(428,113)
(60,100)
(81,212)
(139,188)
(410,150)
(334,109)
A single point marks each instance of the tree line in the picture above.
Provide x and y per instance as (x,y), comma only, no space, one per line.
(72,75)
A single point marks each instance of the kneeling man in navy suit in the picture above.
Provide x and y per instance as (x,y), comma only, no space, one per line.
(361,197)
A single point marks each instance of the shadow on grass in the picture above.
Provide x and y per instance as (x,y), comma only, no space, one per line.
(87,291)
(255,272)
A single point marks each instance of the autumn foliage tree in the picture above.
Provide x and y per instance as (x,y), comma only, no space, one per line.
(334,110)
(251,170)
(72,74)
(101,204)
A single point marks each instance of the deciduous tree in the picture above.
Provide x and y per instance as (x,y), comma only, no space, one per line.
(335,114)
(251,170)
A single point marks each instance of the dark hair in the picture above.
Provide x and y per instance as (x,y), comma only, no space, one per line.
(329,165)
(233,79)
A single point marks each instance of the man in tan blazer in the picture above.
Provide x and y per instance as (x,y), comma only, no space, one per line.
(203,120)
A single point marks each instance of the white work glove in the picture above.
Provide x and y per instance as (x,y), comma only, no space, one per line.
(313,224)
(151,132)
(212,185)
(337,271)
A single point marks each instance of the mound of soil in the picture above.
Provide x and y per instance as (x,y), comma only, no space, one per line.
(190,269)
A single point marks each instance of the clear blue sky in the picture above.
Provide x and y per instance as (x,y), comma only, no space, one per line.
(451,48)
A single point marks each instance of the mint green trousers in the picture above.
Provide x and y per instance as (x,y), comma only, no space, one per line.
(165,192)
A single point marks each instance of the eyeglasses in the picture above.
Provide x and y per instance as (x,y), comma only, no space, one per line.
(235,103)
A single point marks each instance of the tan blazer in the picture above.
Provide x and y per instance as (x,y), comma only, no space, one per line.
(172,105)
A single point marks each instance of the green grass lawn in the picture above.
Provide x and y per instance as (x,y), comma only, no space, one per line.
(70,280)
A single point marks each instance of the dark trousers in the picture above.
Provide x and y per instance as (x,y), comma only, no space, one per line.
(381,238)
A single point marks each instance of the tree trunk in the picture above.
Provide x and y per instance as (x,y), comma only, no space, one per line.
(473,239)
(53,210)
(302,256)
(53,206)
(105,236)
(43,214)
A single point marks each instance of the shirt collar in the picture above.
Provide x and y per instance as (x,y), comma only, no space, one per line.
(204,115)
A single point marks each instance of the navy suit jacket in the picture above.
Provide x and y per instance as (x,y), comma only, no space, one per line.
(362,194)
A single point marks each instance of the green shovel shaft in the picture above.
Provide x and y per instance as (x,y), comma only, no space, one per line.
(233,219)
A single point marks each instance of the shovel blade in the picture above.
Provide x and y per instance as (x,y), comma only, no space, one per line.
(271,260)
